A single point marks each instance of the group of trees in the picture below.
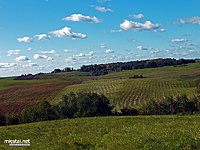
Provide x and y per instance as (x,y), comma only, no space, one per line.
(102,69)
(92,104)
(71,106)
(179,105)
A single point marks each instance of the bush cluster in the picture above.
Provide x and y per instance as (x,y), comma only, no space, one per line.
(180,105)
(71,106)
(92,104)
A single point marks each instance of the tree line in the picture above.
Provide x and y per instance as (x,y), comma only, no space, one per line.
(93,105)
(102,69)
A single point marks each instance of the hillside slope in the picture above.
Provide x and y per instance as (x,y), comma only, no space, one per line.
(140,132)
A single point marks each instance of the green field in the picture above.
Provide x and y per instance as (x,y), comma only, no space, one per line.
(133,92)
(120,90)
(116,132)
(139,132)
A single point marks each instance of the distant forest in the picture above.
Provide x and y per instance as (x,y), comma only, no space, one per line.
(102,69)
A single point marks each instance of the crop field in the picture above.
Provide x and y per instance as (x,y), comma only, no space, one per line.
(15,107)
(120,90)
(32,94)
(127,132)
(133,92)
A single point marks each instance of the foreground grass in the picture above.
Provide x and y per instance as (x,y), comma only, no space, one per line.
(134,132)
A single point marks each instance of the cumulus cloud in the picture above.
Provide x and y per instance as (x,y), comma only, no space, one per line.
(109,51)
(112,31)
(25,39)
(70,60)
(21,58)
(29,49)
(83,55)
(82,18)
(139,16)
(80,55)
(32,64)
(7,65)
(102,45)
(102,9)
(192,20)
(48,52)
(43,36)
(142,48)
(13,52)
(37,56)
(57,55)
(190,44)
(178,40)
(136,26)
(66,32)
(49,59)
(161,30)
(67,50)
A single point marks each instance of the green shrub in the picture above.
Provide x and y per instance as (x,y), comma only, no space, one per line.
(85,105)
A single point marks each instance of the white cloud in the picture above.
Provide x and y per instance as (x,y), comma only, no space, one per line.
(136,26)
(29,49)
(102,9)
(32,64)
(37,56)
(13,52)
(48,52)
(192,20)
(25,39)
(43,36)
(178,40)
(192,51)
(66,32)
(109,51)
(80,55)
(67,50)
(21,58)
(112,31)
(132,40)
(142,48)
(57,55)
(161,30)
(80,17)
(139,16)
(189,44)
(49,59)
(70,60)
(91,53)
(7,65)
(102,45)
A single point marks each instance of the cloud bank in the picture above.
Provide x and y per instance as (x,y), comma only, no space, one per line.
(66,32)
(136,26)
(82,18)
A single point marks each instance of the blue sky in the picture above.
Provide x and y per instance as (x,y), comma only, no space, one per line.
(41,35)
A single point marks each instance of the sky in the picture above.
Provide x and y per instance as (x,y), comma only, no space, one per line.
(42,35)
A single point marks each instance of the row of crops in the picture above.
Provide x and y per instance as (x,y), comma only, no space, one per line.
(132,92)
(14,100)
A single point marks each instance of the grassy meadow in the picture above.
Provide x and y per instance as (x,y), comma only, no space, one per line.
(121,91)
(116,132)
(126,132)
